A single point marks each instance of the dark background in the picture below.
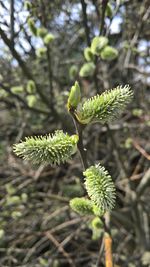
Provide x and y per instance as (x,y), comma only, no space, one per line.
(37,227)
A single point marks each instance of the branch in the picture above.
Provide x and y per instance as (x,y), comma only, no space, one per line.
(81,149)
(21,100)
(12,18)
(49,61)
(104,5)
(145,182)
(22,65)
(85,22)
(60,248)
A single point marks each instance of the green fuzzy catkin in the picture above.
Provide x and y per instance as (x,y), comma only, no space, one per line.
(31,100)
(17,89)
(41,51)
(105,107)
(98,43)
(82,205)
(100,187)
(73,71)
(87,69)
(49,38)
(50,149)
(42,32)
(31,88)
(109,53)
(32,26)
(88,54)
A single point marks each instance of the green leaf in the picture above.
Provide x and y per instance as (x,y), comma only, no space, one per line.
(50,149)
(109,53)
(100,187)
(87,69)
(98,43)
(105,107)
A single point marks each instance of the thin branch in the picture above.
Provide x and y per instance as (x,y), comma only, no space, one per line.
(145,182)
(12,19)
(49,61)
(85,22)
(81,149)
(104,5)
(23,66)
(21,100)
(60,248)
(79,131)
(117,154)
(141,150)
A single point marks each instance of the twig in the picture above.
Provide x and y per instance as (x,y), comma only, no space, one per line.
(21,100)
(22,65)
(104,5)
(145,181)
(81,149)
(79,131)
(49,62)
(65,224)
(87,31)
(141,150)
(118,156)
(100,252)
(12,22)
(60,248)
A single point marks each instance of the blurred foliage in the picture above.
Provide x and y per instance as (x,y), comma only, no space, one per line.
(44,46)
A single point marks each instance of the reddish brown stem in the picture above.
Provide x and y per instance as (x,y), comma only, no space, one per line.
(108,250)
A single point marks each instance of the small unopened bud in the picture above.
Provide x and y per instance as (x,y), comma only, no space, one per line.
(31,88)
(41,51)
(87,69)
(98,43)
(88,54)
(109,53)
(49,38)
(73,71)
(41,32)
(74,96)
(27,5)
(32,26)
(109,11)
